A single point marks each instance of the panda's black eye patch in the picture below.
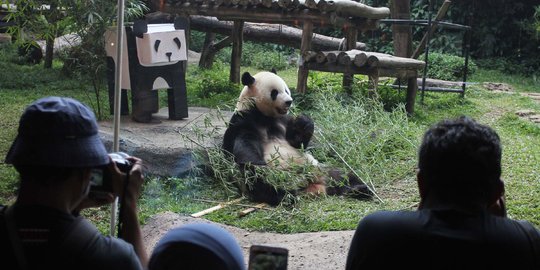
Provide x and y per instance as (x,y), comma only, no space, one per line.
(274,94)
(178,43)
(156,45)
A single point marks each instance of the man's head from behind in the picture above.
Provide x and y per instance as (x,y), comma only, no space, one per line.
(57,133)
(460,162)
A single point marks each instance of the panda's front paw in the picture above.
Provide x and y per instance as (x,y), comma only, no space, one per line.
(299,131)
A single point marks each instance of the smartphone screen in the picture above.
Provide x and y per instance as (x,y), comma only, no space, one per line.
(267,258)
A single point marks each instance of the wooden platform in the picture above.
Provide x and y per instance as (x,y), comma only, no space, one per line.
(372,64)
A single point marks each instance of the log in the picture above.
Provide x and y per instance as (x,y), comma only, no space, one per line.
(265,15)
(360,59)
(346,57)
(284,3)
(309,56)
(268,33)
(354,9)
(311,4)
(326,56)
(388,61)
(267,3)
(243,3)
(321,5)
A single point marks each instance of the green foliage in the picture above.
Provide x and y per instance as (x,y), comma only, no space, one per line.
(260,56)
(367,137)
(500,28)
(213,86)
(448,67)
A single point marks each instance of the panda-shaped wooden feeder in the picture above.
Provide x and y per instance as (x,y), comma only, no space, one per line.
(153,58)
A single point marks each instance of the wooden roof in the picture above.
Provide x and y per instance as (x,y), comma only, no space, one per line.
(319,12)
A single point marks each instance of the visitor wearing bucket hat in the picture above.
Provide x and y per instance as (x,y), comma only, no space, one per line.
(55,152)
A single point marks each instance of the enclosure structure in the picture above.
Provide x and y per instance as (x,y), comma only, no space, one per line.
(347,15)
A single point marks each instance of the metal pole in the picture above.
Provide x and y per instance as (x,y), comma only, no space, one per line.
(468,37)
(428,38)
(117,90)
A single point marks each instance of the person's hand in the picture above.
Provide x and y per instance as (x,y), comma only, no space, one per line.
(136,179)
(130,192)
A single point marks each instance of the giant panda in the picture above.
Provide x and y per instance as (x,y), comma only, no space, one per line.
(261,132)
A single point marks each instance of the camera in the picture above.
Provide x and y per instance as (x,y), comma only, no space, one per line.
(101,177)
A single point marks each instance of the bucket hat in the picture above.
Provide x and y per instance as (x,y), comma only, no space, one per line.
(182,247)
(58,132)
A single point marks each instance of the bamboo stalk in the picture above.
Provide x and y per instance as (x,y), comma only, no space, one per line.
(371,188)
(215,208)
(237,204)
(251,209)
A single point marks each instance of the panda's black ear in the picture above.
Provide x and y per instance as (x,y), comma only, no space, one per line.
(273,71)
(139,28)
(247,79)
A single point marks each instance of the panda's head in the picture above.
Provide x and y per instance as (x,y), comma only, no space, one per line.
(266,91)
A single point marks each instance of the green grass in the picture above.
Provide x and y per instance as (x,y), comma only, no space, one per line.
(375,138)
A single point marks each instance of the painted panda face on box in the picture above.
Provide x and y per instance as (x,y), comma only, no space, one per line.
(267,91)
(159,44)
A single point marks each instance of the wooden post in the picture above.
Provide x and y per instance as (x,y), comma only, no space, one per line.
(307,34)
(412,87)
(204,62)
(351,34)
(402,36)
(236,55)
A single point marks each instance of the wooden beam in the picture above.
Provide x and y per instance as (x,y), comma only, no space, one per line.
(351,35)
(236,54)
(266,15)
(401,34)
(268,33)
(305,46)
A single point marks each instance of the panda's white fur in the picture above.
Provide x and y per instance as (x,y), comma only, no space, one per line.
(277,151)
(259,93)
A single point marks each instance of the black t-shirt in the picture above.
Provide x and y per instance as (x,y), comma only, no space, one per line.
(42,231)
(440,239)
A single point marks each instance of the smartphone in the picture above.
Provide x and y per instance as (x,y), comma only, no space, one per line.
(267,258)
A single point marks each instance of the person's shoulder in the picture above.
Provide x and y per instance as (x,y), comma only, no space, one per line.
(113,253)
(387,217)
(387,220)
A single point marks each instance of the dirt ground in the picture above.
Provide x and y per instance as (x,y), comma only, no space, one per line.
(320,250)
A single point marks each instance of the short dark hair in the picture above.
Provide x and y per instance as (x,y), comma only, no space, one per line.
(460,159)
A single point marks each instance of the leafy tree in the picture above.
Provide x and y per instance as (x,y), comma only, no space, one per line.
(500,28)
(37,19)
